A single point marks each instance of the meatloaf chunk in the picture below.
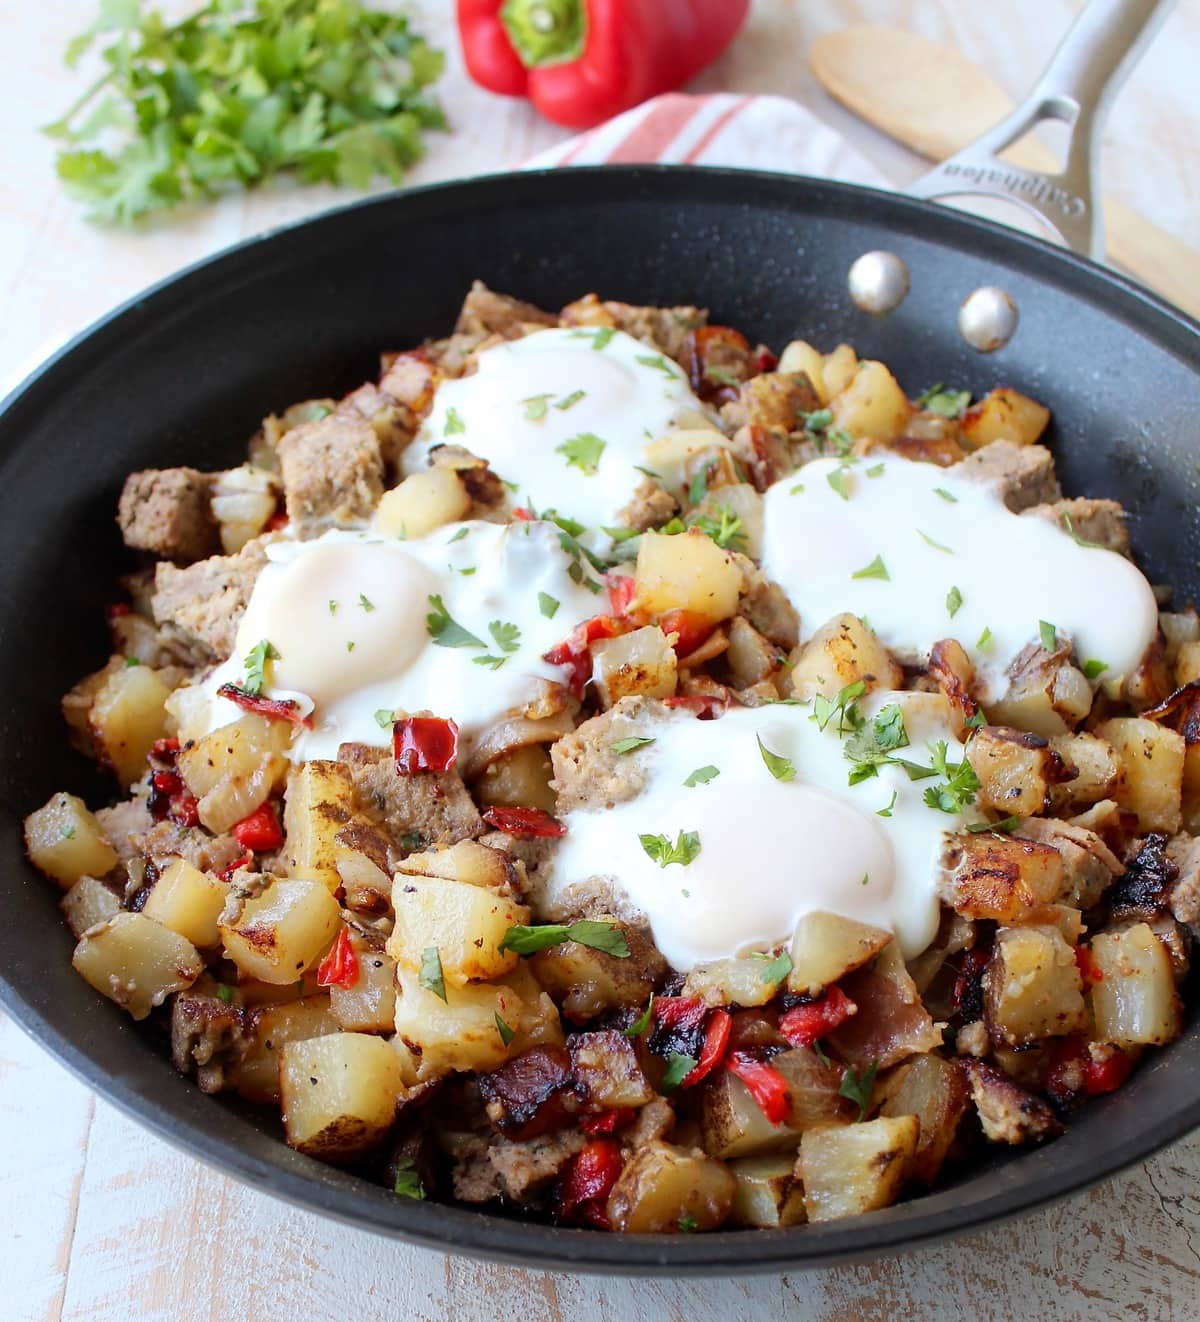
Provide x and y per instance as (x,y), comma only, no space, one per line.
(392,422)
(588,773)
(775,400)
(650,507)
(168,511)
(124,825)
(669,328)
(203,604)
(1089,866)
(488,313)
(1184,851)
(1099,521)
(502,1168)
(1023,475)
(415,811)
(1007,1113)
(332,473)
(206,1037)
(209,853)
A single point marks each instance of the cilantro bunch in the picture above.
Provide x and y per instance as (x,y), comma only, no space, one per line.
(241,91)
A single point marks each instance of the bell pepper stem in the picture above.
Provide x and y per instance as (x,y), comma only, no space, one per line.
(545,32)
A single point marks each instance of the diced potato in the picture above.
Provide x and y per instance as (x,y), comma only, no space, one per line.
(136,962)
(686,571)
(838,370)
(1190,805)
(518,779)
(421,503)
(64,840)
(256,1075)
(892,1023)
(675,455)
(742,501)
(461,1033)
(1152,759)
(127,716)
(587,982)
(369,1005)
(749,656)
(605,1067)
(1004,414)
(87,903)
(1000,877)
(1096,765)
(464,923)
(856,1168)
(826,947)
(1066,920)
(254,992)
(1046,694)
(800,356)
(235,769)
(1135,1000)
(362,859)
(734,1126)
(872,404)
(735,981)
(319,802)
(243,500)
(1032,988)
(842,651)
(468,861)
(339,1094)
(187,901)
(937,1093)
(1179,628)
(1015,770)
(642,662)
(1187,663)
(663,1185)
(277,935)
(769,1195)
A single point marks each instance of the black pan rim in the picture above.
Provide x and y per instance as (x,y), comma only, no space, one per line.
(316,1187)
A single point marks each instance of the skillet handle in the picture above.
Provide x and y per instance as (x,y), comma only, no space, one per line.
(1078,87)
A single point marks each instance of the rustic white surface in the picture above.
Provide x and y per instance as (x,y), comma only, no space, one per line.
(103,1222)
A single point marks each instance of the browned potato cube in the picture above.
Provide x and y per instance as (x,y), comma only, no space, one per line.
(849,1169)
(587,982)
(468,861)
(872,404)
(663,1186)
(64,840)
(686,571)
(279,933)
(1000,877)
(642,662)
(256,1075)
(1152,770)
(339,1094)
(937,1093)
(1015,770)
(136,962)
(127,716)
(1004,414)
(606,1069)
(466,924)
(368,1005)
(1095,764)
(842,651)
(87,903)
(233,770)
(1135,1000)
(1032,987)
(318,804)
(769,1194)
(187,901)
(826,947)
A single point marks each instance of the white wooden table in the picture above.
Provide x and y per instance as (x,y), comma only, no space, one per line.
(103,1222)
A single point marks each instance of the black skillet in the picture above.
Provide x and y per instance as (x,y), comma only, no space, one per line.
(184,373)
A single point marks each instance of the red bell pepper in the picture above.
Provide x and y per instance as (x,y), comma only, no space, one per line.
(716,1042)
(582,61)
(802,1025)
(339,968)
(682,1012)
(424,743)
(621,591)
(690,627)
(260,831)
(767,1086)
(527,823)
(586,1183)
(279,709)
(604,1122)
(246,861)
(1089,971)
(1084,1069)
(573,650)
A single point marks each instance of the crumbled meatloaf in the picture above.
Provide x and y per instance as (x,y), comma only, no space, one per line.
(1101,522)
(332,473)
(168,511)
(1023,475)
(204,603)
(485,312)
(415,811)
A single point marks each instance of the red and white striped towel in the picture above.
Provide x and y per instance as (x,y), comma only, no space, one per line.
(752,132)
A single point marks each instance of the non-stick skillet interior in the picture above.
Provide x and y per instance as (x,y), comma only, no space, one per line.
(184,374)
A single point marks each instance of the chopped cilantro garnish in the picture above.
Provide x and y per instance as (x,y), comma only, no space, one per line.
(872,744)
(876,569)
(506,1033)
(825,709)
(606,937)
(1093,669)
(507,636)
(1048,635)
(224,993)
(725,528)
(701,776)
(858,1089)
(445,630)
(775,970)
(946,403)
(660,364)
(408,1181)
(454,423)
(954,601)
(1005,826)
(837,480)
(876,470)
(985,640)
(431,976)
(536,407)
(664,853)
(599,337)
(779,767)
(937,546)
(256,666)
(698,488)
(642,1022)
(366,604)
(817,420)
(887,812)
(548,605)
(679,1066)
(635,741)
(570,400)
(385,718)
(961,782)
(946,495)
(459,535)
(582,452)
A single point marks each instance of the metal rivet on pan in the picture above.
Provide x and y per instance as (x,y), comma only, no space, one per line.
(987,318)
(878,281)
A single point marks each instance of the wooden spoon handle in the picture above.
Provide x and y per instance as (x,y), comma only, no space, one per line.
(936,101)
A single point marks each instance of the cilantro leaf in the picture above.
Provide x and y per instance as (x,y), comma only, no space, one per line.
(507,636)
(459,535)
(858,1089)
(698,488)
(582,452)
(256,666)
(454,423)
(385,718)
(548,605)
(569,401)
(937,546)
(1005,826)
(408,1181)
(445,630)
(701,776)
(658,362)
(954,601)
(946,495)
(1048,635)
(679,1066)
(837,480)
(887,812)
(775,970)
(536,407)
(779,767)
(599,337)
(959,786)
(872,746)
(606,937)
(945,403)
(664,853)
(1093,669)
(985,640)
(876,569)
(431,976)
(642,1022)
(506,1033)
(366,604)
(825,709)
(725,528)
(623,746)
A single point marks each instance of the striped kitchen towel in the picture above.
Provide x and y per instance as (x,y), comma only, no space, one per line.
(752,132)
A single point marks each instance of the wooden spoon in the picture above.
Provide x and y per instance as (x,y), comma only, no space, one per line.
(936,101)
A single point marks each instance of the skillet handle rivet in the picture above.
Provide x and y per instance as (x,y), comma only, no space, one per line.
(987,319)
(878,281)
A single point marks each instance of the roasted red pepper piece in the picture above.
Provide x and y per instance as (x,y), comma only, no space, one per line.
(246,861)
(704,706)
(767,1086)
(679,1011)
(802,1025)
(716,1042)
(691,627)
(586,1183)
(573,650)
(606,1121)
(260,831)
(765,360)
(1081,1069)
(1107,1073)
(424,743)
(621,590)
(522,515)
(169,796)
(339,968)
(279,709)
(582,61)
(276,522)
(524,822)
(1088,969)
